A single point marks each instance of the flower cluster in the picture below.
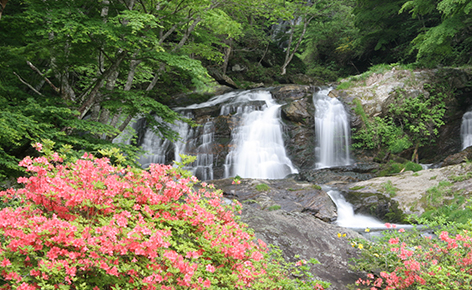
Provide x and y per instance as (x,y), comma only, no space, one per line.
(89,224)
(409,260)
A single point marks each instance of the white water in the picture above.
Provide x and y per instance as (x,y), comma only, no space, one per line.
(346,216)
(257,149)
(332,131)
(466,130)
(157,148)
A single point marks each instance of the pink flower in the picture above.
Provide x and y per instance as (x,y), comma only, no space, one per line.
(401,230)
(210,268)
(5,263)
(207,283)
(38,146)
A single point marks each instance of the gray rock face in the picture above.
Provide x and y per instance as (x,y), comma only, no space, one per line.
(286,194)
(411,190)
(302,234)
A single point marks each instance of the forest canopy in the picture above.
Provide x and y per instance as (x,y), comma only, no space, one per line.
(78,72)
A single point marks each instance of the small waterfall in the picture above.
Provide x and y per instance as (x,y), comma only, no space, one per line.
(204,164)
(257,149)
(346,216)
(466,130)
(332,131)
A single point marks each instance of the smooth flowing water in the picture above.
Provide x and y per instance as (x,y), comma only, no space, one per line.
(346,216)
(466,130)
(332,131)
(257,149)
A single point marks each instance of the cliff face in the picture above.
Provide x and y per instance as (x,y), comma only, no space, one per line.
(376,92)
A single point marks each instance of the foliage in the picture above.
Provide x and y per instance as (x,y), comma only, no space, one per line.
(411,120)
(408,259)
(274,207)
(87,224)
(385,34)
(446,41)
(393,167)
(380,132)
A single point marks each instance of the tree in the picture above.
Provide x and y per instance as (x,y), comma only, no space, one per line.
(447,41)
(386,34)
(84,69)
(302,13)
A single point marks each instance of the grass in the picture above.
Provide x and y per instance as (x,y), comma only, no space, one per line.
(274,207)
(389,188)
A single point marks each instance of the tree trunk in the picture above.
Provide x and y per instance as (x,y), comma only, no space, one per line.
(289,55)
(3,3)
(226,57)
(94,93)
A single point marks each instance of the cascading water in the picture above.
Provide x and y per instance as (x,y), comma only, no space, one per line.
(346,216)
(157,149)
(466,130)
(332,131)
(257,149)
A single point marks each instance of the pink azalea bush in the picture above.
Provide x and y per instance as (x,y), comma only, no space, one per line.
(410,260)
(91,225)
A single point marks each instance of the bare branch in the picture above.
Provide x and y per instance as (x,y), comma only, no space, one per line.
(44,77)
(29,86)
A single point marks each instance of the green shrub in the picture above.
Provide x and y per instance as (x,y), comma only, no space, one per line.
(409,259)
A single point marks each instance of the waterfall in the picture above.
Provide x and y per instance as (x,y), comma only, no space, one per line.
(466,130)
(332,131)
(346,216)
(257,148)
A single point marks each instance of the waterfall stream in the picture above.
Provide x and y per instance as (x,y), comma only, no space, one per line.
(332,131)
(466,130)
(346,216)
(257,149)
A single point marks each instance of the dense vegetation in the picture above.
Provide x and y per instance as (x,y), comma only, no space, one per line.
(77,72)
(82,223)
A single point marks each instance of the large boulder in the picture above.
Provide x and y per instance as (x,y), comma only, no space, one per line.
(378,90)
(298,117)
(285,194)
(303,235)
(405,193)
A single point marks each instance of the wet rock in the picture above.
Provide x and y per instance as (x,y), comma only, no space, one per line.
(342,174)
(285,194)
(299,111)
(292,92)
(300,234)
(463,156)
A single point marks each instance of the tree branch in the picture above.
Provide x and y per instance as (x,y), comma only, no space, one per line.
(29,86)
(56,89)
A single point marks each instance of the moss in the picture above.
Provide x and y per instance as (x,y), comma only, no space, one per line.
(356,187)
(262,187)
(316,186)
(274,207)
